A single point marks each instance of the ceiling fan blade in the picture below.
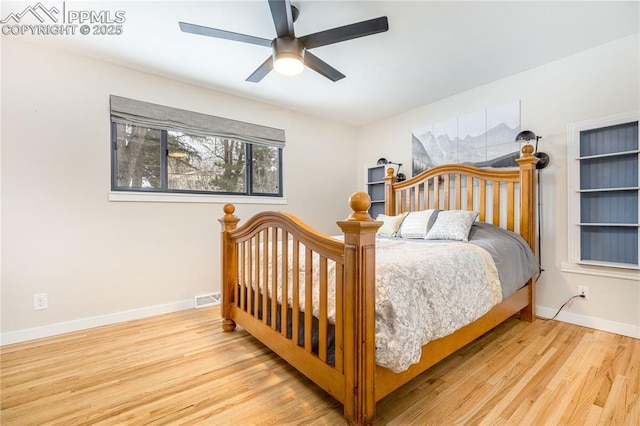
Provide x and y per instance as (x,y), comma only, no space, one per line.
(262,70)
(347,32)
(321,67)
(282,17)
(227,35)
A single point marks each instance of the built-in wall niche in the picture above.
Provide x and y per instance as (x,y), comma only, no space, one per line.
(604,196)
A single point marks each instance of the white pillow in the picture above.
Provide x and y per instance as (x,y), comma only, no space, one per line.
(415,225)
(452,225)
(391,224)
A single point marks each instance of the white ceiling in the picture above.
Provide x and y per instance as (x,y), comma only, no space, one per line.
(432,49)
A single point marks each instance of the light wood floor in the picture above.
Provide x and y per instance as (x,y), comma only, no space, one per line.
(181,368)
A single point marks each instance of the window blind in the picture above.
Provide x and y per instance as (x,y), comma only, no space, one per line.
(124,110)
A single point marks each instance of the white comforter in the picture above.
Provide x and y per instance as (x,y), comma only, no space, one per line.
(423,292)
(426,292)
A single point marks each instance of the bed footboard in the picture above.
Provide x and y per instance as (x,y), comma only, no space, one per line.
(308,297)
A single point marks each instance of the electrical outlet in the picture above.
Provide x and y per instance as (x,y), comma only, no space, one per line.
(583,290)
(40,301)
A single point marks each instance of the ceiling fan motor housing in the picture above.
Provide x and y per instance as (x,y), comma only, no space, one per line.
(292,47)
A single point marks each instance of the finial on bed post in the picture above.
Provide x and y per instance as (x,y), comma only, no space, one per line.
(359,203)
(359,310)
(527,151)
(389,195)
(229,265)
(527,163)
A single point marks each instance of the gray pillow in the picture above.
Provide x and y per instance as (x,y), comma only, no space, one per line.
(452,225)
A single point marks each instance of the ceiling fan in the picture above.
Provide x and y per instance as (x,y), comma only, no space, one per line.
(290,53)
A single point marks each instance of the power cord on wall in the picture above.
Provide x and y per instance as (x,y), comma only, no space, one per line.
(540,229)
(568,303)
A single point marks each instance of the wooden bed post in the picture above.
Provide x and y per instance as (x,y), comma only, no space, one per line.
(527,163)
(359,303)
(389,195)
(229,266)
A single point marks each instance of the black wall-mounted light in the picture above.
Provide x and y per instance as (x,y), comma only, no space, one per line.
(528,135)
(399,176)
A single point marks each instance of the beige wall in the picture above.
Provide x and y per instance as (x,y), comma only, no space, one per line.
(598,82)
(93,257)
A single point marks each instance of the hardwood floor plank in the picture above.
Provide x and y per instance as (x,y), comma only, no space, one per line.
(611,413)
(633,370)
(181,368)
(593,417)
(633,411)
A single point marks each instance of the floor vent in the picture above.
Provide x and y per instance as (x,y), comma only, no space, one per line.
(206,300)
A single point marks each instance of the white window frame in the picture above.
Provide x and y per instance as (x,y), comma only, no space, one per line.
(574,264)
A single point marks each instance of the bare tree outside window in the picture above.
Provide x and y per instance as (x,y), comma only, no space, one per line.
(138,157)
(266,169)
(205,163)
(172,161)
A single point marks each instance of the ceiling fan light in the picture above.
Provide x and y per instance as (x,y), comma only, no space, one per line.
(288,64)
(288,56)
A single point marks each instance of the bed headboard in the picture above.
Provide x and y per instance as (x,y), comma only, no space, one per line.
(504,198)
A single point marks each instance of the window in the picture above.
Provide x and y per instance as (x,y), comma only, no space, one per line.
(604,196)
(162,149)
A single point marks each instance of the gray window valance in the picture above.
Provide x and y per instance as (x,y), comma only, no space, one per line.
(124,110)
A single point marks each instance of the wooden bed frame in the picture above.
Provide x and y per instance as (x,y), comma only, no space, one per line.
(255,255)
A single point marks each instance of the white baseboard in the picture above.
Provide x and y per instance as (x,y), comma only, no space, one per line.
(590,322)
(91,322)
(133,314)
